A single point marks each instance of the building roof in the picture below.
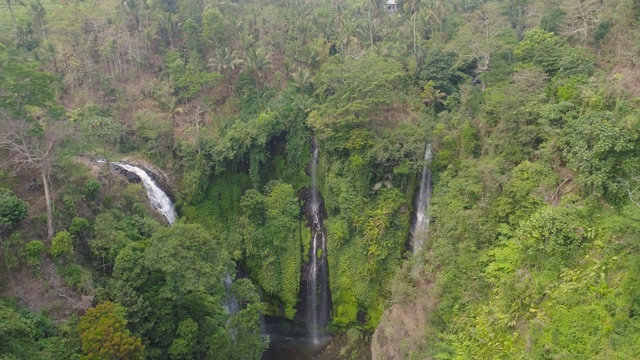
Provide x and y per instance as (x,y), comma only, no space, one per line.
(392,2)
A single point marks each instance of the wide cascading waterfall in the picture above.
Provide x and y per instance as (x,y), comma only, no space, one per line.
(424,198)
(157,197)
(161,202)
(318,276)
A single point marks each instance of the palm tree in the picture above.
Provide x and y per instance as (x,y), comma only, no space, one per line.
(432,96)
(346,30)
(412,7)
(246,40)
(287,64)
(302,102)
(48,54)
(435,13)
(224,62)
(304,28)
(376,7)
(173,108)
(302,79)
(22,32)
(167,22)
(323,25)
(37,11)
(256,61)
(371,22)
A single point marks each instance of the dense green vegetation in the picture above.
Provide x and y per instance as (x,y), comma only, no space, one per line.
(531,108)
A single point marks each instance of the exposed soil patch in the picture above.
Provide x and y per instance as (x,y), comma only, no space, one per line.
(44,289)
(403,326)
(44,292)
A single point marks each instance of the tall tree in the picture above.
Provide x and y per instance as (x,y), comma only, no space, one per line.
(436,10)
(431,96)
(302,79)
(168,25)
(413,7)
(255,61)
(214,30)
(177,276)
(225,61)
(32,147)
(37,12)
(485,32)
(352,90)
(13,20)
(582,17)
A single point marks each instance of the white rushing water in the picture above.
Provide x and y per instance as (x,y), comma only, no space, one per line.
(161,202)
(424,198)
(231,305)
(158,198)
(318,277)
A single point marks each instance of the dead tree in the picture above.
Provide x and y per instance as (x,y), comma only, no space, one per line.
(582,17)
(29,149)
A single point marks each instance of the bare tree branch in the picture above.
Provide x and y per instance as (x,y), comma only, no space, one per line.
(27,149)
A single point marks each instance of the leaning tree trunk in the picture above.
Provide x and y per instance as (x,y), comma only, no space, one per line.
(44,37)
(13,21)
(47,196)
(414,34)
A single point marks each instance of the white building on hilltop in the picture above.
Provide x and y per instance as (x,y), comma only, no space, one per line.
(392,6)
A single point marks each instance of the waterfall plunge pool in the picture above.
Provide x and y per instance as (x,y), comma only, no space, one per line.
(291,340)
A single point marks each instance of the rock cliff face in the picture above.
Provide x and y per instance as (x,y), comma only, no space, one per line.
(403,326)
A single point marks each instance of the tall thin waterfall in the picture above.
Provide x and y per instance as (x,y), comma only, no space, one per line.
(318,279)
(158,198)
(424,198)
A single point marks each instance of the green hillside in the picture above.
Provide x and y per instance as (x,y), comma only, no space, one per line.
(530,107)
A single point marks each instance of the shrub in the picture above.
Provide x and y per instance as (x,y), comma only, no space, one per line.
(12,209)
(91,189)
(33,253)
(77,277)
(62,245)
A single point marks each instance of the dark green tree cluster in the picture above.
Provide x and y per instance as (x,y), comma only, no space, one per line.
(172,287)
(28,335)
(273,241)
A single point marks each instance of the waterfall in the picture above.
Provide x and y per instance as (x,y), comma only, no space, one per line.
(158,198)
(318,279)
(161,202)
(424,197)
(231,305)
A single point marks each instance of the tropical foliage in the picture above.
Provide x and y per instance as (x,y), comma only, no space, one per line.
(530,107)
